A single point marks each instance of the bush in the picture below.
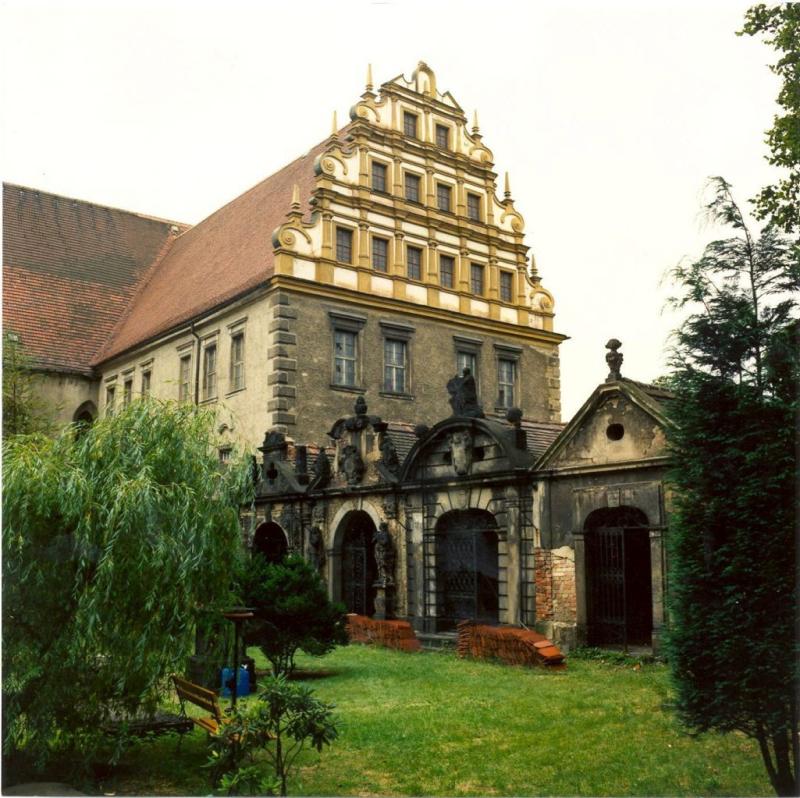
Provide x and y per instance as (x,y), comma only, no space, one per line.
(293,611)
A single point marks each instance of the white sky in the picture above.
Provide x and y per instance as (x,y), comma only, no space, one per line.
(609,117)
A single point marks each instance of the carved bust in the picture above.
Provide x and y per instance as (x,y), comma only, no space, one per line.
(461,451)
(351,464)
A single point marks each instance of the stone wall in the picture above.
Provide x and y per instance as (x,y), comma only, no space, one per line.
(554,580)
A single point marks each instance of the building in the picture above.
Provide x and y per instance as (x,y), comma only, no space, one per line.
(387,240)
(329,306)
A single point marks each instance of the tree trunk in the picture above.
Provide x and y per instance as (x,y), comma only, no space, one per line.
(782,775)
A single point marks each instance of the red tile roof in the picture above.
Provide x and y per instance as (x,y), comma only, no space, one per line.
(221,258)
(70,269)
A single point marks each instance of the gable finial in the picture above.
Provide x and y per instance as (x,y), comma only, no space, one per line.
(295,197)
(334,126)
(369,77)
(475,127)
(508,188)
(614,360)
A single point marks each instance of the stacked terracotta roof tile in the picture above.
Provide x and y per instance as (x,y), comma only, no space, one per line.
(508,644)
(389,634)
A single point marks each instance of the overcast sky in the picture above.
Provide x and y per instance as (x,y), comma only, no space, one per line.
(608,116)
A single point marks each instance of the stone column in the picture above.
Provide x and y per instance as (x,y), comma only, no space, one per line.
(415,586)
(580,588)
(513,556)
(657,585)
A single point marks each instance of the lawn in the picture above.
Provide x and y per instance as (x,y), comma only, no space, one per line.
(432,724)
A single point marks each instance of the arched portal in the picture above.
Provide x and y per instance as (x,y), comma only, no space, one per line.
(619,588)
(85,414)
(270,542)
(467,571)
(358,567)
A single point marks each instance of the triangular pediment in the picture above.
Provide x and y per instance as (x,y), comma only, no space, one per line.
(619,424)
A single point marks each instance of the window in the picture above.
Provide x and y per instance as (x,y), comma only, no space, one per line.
(111,391)
(506,377)
(225,454)
(185,378)
(127,391)
(474,207)
(146,383)
(344,245)
(210,372)
(380,254)
(467,360)
(378,177)
(410,124)
(446,270)
(506,286)
(476,278)
(443,136)
(237,361)
(344,358)
(394,369)
(443,197)
(412,187)
(414,263)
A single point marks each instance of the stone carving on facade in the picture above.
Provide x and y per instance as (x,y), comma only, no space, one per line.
(384,554)
(614,360)
(316,548)
(352,464)
(390,506)
(292,526)
(464,396)
(389,457)
(322,470)
(461,451)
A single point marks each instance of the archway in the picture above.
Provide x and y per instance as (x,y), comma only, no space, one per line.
(358,567)
(270,542)
(85,415)
(467,571)
(618,574)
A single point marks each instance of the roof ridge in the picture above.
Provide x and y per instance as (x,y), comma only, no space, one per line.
(146,216)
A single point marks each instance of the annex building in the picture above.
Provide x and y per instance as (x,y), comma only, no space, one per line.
(372,313)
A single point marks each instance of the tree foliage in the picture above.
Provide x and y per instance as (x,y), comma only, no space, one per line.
(733,589)
(781,27)
(113,542)
(23,412)
(293,611)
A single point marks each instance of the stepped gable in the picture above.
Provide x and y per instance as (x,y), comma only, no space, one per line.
(223,257)
(70,268)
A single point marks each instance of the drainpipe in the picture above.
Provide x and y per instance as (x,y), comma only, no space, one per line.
(196,367)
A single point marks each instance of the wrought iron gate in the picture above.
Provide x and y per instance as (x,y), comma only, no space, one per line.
(357,575)
(619,591)
(466,575)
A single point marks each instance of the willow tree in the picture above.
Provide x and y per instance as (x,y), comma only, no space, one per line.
(114,542)
(732,538)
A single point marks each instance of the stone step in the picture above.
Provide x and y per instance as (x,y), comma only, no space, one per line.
(438,641)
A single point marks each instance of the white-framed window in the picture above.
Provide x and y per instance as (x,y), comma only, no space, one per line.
(443,137)
(410,124)
(210,371)
(185,378)
(394,365)
(476,275)
(379,175)
(127,390)
(147,375)
(474,207)
(111,394)
(344,244)
(345,358)
(447,268)
(506,286)
(411,184)
(467,351)
(506,381)
(237,361)
(444,197)
(466,360)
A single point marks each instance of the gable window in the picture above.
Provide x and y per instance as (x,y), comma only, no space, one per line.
(411,182)
(506,378)
(410,124)
(380,254)
(111,392)
(443,136)
(446,270)
(394,365)
(414,263)
(146,382)
(185,378)
(474,207)
(444,197)
(379,177)
(127,391)
(476,278)
(237,361)
(344,358)
(210,372)
(344,245)
(506,286)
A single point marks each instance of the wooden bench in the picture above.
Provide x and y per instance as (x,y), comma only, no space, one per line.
(203,698)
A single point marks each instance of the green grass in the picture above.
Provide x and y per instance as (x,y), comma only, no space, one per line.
(431,724)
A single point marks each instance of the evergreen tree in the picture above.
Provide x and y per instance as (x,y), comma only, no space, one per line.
(23,412)
(732,539)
